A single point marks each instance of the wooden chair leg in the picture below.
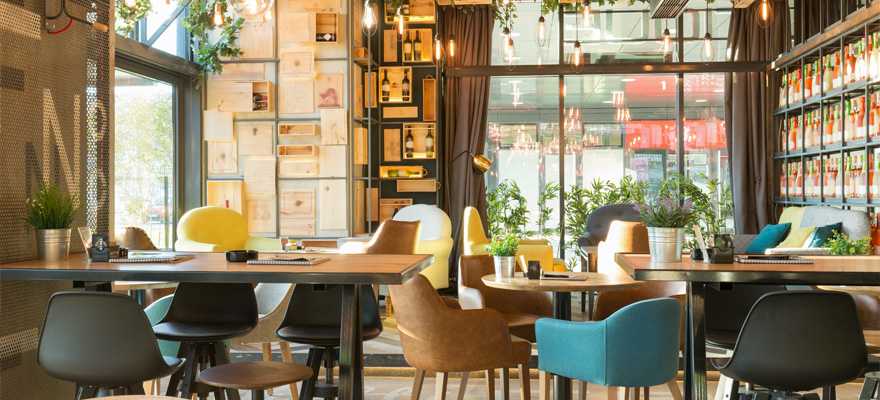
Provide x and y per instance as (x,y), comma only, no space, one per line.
(490,384)
(267,356)
(525,382)
(544,385)
(582,390)
(417,384)
(613,392)
(674,390)
(287,357)
(647,393)
(462,387)
(505,383)
(442,378)
(635,393)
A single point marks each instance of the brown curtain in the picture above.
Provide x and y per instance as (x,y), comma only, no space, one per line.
(751,99)
(465,102)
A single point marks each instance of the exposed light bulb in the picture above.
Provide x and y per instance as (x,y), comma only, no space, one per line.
(130,3)
(588,10)
(267,15)
(708,53)
(253,7)
(667,41)
(576,56)
(509,50)
(451,46)
(438,48)
(765,13)
(218,14)
(369,19)
(542,29)
(400,25)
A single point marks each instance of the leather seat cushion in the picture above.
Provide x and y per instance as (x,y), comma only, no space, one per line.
(178,331)
(320,335)
(521,350)
(521,325)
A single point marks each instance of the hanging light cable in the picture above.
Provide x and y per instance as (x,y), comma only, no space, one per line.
(708,52)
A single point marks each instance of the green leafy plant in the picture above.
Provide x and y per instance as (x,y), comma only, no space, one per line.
(127,17)
(839,244)
(503,246)
(50,208)
(580,202)
(199,22)
(550,193)
(507,210)
(665,211)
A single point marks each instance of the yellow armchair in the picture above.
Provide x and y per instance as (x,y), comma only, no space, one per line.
(474,241)
(217,229)
(435,237)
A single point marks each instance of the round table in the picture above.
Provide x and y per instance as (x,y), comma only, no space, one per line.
(562,290)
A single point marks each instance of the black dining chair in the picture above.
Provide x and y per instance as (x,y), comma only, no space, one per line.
(313,318)
(102,342)
(798,341)
(201,317)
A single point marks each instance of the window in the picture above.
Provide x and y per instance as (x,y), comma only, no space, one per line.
(162,28)
(144,152)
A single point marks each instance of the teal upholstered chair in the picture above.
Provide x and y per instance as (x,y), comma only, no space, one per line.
(155,313)
(635,347)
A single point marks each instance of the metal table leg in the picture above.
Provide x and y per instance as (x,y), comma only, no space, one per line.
(351,352)
(695,349)
(562,310)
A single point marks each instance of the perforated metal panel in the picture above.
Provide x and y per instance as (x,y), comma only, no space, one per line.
(54,127)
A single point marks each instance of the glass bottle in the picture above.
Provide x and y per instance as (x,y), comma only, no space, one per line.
(409,144)
(405,89)
(417,47)
(429,144)
(407,47)
(386,87)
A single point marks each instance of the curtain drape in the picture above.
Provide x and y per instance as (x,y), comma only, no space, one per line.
(751,99)
(465,105)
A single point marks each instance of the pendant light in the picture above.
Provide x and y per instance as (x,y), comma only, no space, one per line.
(765,13)
(369,19)
(708,52)
(451,44)
(542,31)
(576,56)
(400,23)
(667,39)
(588,11)
(438,48)
(218,14)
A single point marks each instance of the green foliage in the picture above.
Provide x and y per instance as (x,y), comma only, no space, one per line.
(127,17)
(50,208)
(839,244)
(503,246)
(550,193)
(505,13)
(711,208)
(507,210)
(667,211)
(199,23)
(580,202)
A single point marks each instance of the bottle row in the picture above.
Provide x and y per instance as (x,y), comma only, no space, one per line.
(856,61)
(821,177)
(832,124)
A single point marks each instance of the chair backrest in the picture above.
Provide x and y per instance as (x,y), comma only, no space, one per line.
(156,312)
(215,225)
(600,220)
(100,339)
(471,272)
(799,340)
(727,308)
(643,342)
(213,303)
(134,238)
(395,237)
(435,223)
(472,228)
(321,306)
(270,296)
(610,301)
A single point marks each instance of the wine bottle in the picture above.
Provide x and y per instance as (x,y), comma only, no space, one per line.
(407,47)
(417,47)
(404,87)
(429,145)
(409,144)
(404,8)
(386,88)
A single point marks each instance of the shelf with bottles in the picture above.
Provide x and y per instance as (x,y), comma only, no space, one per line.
(831,177)
(395,85)
(419,141)
(411,12)
(855,175)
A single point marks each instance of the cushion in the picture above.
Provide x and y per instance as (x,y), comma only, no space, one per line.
(856,224)
(770,236)
(793,216)
(823,233)
(797,236)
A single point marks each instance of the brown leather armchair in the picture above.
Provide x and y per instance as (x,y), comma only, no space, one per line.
(519,309)
(437,335)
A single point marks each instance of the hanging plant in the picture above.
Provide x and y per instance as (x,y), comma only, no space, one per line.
(213,36)
(129,12)
(505,13)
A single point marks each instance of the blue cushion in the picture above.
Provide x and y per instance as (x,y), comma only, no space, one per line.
(823,233)
(770,236)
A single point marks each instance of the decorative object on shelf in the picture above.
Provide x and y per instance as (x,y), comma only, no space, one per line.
(666,217)
(503,251)
(204,18)
(51,211)
(129,12)
(429,99)
(402,172)
(391,149)
(295,129)
(400,112)
(419,141)
(98,252)
(417,185)
(326,27)
(329,90)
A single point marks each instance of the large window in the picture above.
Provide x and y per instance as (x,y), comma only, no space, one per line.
(144,178)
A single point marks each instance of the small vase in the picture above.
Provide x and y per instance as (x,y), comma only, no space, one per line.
(53,244)
(665,244)
(504,266)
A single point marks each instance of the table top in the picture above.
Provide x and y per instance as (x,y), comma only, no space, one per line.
(594,281)
(827,270)
(213,267)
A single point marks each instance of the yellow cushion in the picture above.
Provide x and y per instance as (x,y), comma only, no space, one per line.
(217,229)
(793,216)
(796,237)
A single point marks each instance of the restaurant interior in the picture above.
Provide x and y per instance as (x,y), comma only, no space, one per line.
(473,199)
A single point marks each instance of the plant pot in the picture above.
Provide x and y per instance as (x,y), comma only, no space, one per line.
(504,266)
(665,244)
(53,244)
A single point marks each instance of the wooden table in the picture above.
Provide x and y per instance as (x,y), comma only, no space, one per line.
(349,270)
(562,290)
(858,270)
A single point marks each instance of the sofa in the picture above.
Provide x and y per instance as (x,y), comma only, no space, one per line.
(856,225)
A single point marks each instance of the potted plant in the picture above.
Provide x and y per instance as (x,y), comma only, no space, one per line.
(666,218)
(503,249)
(51,213)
